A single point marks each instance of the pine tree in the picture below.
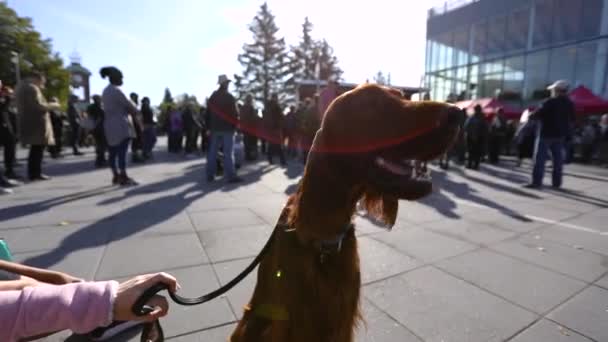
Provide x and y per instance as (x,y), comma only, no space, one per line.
(168,98)
(328,62)
(265,60)
(306,55)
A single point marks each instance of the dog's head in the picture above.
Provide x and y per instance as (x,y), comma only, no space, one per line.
(374,142)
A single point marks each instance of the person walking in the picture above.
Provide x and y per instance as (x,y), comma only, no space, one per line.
(149,133)
(96,113)
(74,120)
(223,118)
(118,124)
(274,124)
(476,131)
(556,119)
(35,122)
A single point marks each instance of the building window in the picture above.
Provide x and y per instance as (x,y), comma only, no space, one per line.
(562,64)
(567,20)
(586,55)
(543,22)
(461,46)
(536,73)
(514,76)
(479,41)
(517,30)
(496,37)
(474,81)
(592,18)
(491,78)
(429,57)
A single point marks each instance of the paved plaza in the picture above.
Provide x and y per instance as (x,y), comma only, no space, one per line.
(482,259)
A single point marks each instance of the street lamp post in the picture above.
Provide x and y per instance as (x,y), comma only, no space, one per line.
(15,59)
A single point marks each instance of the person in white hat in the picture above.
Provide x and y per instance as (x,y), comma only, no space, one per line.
(223,119)
(556,118)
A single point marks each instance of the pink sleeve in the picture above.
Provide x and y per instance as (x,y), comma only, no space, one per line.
(80,307)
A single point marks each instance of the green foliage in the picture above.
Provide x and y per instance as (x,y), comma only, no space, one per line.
(167,98)
(17,34)
(265,60)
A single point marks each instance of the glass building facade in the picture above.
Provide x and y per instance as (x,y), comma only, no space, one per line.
(516,48)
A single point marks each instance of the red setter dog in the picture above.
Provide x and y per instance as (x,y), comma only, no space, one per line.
(370,148)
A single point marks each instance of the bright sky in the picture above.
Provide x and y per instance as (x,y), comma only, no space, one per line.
(184,45)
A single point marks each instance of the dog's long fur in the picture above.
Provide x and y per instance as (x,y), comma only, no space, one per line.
(322,299)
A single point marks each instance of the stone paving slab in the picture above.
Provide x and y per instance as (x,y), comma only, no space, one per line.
(424,244)
(545,330)
(580,264)
(151,254)
(234,243)
(586,313)
(438,307)
(467,230)
(518,282)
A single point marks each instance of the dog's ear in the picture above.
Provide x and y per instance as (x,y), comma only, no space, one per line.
(382,208)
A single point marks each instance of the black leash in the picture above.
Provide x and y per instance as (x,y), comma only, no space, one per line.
(140,308)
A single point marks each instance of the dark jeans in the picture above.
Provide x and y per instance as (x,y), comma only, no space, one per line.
(75,136)
(191,138)
(475,150)
(149,139)
(175,141)
(543,146)
(251,146)
(119,152)
(34,161)
(276,149)
(8,141)
(101,146)
(55,150)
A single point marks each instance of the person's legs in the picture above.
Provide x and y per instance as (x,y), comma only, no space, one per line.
(557,154)
(122,156)
(228,147)
(212,155)
(34,161)
(75,138)
(540,158)
(9,156)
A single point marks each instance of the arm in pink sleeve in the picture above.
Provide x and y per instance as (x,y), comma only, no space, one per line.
(80,307)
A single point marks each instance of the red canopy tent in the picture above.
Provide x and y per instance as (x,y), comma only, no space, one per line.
(490,106)
(586,102)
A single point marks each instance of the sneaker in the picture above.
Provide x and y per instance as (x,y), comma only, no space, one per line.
(40,177)
(235,179)
(4,191)
(112,330)
(532,186)
(127,181)
(115,180)
(13,176)
(8,183)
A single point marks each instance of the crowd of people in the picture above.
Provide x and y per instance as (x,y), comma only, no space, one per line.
(230,133)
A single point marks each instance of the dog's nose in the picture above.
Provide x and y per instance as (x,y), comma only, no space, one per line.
(454,114)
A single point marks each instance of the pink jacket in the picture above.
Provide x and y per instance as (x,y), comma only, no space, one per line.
(80,307)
